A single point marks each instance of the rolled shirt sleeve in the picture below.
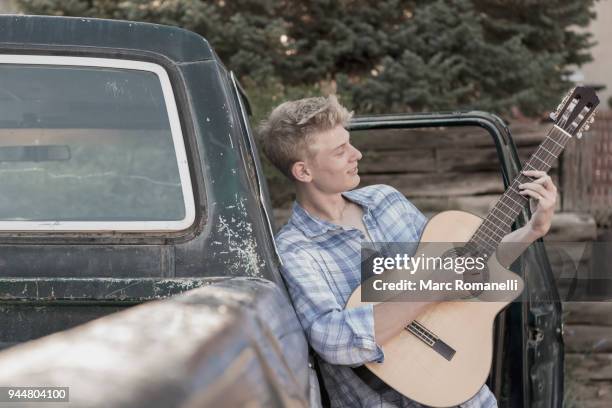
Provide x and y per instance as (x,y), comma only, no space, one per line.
(340,336)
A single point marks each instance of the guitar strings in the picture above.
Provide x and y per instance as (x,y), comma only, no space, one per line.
(481,239)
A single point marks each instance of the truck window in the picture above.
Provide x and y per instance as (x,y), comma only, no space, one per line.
(90,144)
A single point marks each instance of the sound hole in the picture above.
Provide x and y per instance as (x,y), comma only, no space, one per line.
(472,273)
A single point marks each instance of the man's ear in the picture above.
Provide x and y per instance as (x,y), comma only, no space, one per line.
(301,172)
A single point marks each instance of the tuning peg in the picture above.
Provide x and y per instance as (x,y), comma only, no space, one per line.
(563,102)
(592,119)
(567,95)
(585,128)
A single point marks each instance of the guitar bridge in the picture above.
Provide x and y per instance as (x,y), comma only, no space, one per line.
(429,338)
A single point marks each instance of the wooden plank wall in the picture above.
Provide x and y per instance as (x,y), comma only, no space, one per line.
(442,169)
(588,354)
(587,171)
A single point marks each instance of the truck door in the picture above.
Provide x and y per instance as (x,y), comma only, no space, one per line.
(464,161)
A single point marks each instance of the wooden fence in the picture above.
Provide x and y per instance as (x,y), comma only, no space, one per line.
(587,172)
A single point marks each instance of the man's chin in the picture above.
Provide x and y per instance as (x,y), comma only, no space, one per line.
(355,181)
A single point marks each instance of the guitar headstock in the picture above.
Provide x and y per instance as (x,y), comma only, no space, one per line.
(576,111)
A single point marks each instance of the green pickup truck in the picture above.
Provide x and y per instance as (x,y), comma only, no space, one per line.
(137,259)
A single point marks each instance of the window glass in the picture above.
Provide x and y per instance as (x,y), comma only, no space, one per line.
(86,143)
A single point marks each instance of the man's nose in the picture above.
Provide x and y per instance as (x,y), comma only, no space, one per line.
(356,153)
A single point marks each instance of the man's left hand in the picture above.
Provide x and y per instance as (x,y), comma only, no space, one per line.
(544,191)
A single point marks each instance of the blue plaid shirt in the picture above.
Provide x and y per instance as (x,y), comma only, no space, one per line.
(321,266)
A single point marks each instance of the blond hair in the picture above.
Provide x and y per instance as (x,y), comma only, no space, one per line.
(286,133)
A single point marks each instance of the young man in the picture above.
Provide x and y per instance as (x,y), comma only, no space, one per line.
(321,246)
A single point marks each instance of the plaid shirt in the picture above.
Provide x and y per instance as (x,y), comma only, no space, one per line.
(321,266)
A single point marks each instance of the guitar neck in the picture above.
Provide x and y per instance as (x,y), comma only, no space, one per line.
(498,221)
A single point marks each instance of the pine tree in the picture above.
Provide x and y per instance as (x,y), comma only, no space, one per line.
(398,56)
(385,55)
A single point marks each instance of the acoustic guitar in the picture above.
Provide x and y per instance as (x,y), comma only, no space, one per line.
(444,356)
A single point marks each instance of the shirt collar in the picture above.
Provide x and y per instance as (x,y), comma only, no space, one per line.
(312,226)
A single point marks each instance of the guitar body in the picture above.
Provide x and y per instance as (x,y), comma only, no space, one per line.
(412,367)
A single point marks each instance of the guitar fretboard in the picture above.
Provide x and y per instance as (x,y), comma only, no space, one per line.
(498,221)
